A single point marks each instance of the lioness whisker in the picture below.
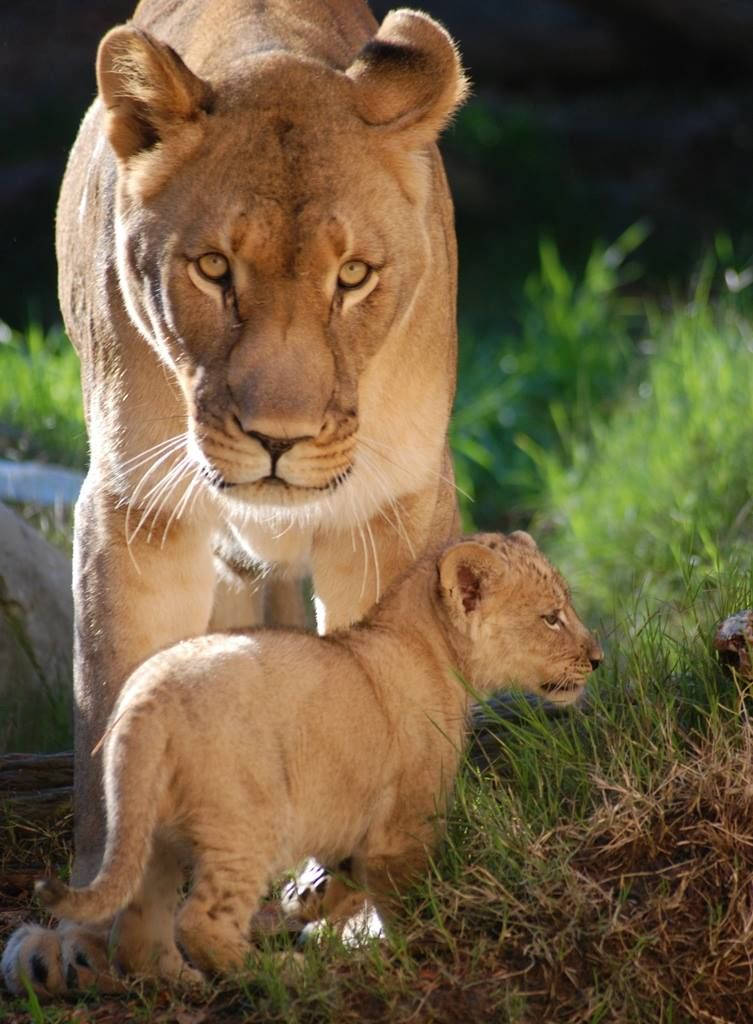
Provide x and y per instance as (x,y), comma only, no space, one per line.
(156,492)
(137,460)
(381,483)
(370,442)
(356,512)
(200,492)
(170,453)
(373,478)
(156,458)
(180,506)
(155,488)
(176,475)
(377,584)
(285,529)
(432,472)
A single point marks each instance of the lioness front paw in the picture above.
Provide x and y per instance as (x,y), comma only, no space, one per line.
(34,953)
(303,898)
(58,961)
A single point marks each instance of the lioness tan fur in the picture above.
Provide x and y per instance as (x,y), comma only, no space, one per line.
(355,760)
(257,267)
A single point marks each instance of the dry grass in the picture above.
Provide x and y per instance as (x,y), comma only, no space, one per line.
(644,911)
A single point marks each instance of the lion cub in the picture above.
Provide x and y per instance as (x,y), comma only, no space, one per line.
(255,750)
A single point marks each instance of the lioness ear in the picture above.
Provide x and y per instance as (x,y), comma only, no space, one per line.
(147,90)
(409,76)
(465,571)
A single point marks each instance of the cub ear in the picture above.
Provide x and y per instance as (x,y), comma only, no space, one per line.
(409,76)
(465,572)
(146,88)
(523,538)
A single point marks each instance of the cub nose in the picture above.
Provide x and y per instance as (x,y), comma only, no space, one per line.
(595,655)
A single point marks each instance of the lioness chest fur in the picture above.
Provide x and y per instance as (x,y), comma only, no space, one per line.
(356,758)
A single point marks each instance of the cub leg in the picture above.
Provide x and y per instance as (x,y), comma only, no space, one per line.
(214,924)
(144,932)
(233,867)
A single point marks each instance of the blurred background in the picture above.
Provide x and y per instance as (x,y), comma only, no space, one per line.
(585,117)
(601,175)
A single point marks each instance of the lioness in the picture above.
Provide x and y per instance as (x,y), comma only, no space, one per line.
(258,270)
(359,766)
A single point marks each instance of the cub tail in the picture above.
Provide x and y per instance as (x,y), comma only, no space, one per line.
(134,786)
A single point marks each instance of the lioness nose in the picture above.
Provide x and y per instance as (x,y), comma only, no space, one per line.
(274,445)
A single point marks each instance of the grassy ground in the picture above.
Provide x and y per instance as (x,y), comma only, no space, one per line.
(600,869)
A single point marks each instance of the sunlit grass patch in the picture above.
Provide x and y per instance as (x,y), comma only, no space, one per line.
(663,488)
(563,364)
(41,414)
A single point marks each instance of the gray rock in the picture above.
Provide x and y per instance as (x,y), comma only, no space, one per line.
(38,483)
(36,632)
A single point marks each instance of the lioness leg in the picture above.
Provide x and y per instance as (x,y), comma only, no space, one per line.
(318,893)
(248,597)
(385,877)
(238,600)
(131,600)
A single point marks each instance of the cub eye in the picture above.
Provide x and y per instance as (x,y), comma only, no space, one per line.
(353,273)
(213,266)
(553,619)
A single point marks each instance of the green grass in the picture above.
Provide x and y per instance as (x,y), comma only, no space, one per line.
(661,491)
(561,366)
(41,415)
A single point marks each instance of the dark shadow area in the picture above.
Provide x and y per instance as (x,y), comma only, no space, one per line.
(582,121)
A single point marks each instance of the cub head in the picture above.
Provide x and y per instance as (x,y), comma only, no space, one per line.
(515,618)
(281,230)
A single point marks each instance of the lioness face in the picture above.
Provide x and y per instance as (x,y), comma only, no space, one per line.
(271,250)
(516,611)
(279,290)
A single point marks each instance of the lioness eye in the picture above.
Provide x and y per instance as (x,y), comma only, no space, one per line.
(353,273)
(213,265)
(552,619)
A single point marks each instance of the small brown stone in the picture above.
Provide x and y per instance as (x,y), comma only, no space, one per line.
(734,642)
